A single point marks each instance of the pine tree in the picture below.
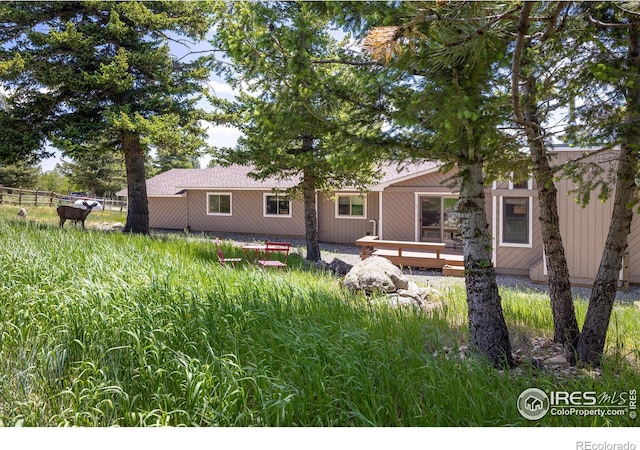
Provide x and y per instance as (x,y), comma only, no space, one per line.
(103,71)
(100,172)
(451,108)
(299,108)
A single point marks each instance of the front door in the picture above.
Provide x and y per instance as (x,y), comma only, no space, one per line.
(438,219)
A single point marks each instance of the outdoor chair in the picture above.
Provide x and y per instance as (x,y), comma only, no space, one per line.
(224,261)
(271,250)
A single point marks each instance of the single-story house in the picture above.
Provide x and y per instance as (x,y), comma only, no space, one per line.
(412,202)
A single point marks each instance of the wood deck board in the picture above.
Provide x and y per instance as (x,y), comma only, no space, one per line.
(420,259)
(422,254)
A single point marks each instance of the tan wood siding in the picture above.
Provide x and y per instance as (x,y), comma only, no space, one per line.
(399,216)
(435,179)
(343,230)
(634,250)
(247,216)
(168,213)
(584,230)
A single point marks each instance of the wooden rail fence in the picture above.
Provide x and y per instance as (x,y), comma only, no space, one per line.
(26,197)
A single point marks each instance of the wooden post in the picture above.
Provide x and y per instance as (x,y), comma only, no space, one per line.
(20,196)
(51,199)
(35,198)
(1,190)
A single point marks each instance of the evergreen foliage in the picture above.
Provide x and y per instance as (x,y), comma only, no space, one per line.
(302,113)
(450,108)
(19,175)
(103,72)
(100,172)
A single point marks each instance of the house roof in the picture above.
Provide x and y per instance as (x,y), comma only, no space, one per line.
(175,182)
(395,173)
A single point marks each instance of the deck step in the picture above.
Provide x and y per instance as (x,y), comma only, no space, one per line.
(453,271)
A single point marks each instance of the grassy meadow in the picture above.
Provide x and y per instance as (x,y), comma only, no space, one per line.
(101,329)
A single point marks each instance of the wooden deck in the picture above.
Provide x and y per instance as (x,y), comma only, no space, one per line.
(428,255)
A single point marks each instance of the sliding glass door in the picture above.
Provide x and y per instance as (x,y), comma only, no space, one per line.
(438,219)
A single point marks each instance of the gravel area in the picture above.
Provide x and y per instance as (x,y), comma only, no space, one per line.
(351,255)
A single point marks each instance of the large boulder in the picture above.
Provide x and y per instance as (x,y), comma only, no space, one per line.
(375,275)
(339,267)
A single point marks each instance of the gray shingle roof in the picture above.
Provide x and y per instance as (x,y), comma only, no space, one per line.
(176,181)
(394,172)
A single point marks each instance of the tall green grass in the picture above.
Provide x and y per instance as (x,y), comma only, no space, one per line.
(102,329)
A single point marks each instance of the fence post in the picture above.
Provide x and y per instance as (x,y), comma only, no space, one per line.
(35,198)
(51,199)
(20,196)
(1,190)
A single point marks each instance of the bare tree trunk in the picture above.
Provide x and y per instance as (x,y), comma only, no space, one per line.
(309,197)
(487,328)
(566,329)
(603,294)
(310,217)
(565,323)
(138,207)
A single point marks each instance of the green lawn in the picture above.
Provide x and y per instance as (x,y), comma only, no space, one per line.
(101,328)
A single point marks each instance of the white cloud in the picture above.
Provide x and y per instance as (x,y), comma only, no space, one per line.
(222,136)
(221,89)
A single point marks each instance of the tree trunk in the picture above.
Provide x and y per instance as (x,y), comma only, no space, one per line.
(309,197)
(596,323)
(566,329)
(138,207)
(565,323)
(487,328)
(310,217)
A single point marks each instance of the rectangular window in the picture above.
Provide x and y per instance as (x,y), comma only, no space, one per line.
(351,206)
(277,206)
(516,220)
(526,184)
(521,185)
(219,204)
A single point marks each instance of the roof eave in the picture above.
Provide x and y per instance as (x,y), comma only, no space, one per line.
(382,186)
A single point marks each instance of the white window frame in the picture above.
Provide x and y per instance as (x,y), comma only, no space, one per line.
(350,216)
(230,213)
(277,216)
(530,227)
